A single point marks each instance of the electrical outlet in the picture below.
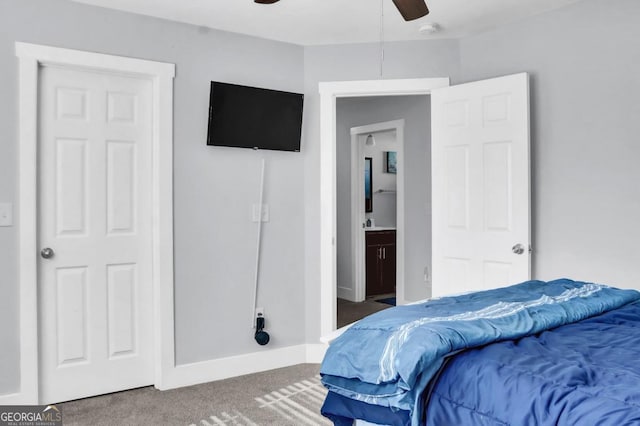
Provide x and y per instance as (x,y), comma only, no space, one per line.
(259,312)
(260,213)
(6,214)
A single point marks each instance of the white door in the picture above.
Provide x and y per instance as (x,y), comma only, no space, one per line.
(481,193)
(94,212)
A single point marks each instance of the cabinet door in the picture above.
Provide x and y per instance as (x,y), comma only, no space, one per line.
(388,269)
(372,254)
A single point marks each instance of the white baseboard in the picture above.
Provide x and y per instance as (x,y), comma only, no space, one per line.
(346,293)
(15,399)
(315,352)
(224,368)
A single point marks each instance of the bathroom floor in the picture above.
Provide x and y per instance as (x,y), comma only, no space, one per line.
(349,312)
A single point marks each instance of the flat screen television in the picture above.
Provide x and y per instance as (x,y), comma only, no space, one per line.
(251,117)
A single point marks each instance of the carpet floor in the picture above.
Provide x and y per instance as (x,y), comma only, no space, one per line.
(289,396)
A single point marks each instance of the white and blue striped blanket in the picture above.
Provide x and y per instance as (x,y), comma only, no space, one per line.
(388,359)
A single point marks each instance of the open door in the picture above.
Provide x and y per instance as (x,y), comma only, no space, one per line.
(481,185)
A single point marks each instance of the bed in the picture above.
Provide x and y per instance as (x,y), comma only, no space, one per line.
(540,353)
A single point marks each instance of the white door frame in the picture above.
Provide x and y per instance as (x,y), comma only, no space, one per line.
(358,264)
(31,57)
(329,92)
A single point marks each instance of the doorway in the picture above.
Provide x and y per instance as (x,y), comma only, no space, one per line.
(68,101)
(371,214)
(501,107)
(329,93)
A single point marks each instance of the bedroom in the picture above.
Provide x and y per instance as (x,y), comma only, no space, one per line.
(583,60)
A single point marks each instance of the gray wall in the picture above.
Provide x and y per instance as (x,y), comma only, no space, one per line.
(415,110)
(584,62)
(214,187)
(353,62)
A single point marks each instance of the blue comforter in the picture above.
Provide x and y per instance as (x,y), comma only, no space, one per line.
(585,373)
(387,360)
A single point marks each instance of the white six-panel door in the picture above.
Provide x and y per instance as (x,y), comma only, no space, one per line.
(94,212)
(481,185)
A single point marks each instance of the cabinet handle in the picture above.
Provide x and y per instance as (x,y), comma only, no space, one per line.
(379,253)
(384,252)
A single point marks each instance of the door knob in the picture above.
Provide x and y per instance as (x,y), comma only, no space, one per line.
(518,249)
(47,253)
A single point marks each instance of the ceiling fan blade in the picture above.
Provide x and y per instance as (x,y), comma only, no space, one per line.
(266,1)
(411,9)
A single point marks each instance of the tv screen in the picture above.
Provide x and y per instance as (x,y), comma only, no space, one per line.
(250,117)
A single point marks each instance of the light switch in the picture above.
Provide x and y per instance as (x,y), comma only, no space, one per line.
(6,214)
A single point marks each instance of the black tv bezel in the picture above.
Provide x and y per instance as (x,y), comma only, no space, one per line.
(255,148)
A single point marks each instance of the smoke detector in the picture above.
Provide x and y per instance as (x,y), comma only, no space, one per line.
(428,29)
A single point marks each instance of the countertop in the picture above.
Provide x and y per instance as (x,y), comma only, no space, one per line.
(380,228)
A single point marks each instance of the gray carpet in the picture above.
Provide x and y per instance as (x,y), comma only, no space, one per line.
(289,396)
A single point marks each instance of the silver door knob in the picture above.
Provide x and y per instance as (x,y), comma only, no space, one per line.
(518,249)
(47,253)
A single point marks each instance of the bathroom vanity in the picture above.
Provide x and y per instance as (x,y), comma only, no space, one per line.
(380,258)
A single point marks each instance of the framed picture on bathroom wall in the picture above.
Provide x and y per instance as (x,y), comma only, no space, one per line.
(390,164)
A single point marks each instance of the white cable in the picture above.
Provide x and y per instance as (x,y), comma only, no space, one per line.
(258,244)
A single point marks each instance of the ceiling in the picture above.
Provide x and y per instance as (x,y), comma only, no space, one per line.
(317,22)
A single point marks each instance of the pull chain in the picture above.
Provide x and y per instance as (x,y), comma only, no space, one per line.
(381,37)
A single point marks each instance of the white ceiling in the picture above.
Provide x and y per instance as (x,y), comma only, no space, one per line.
(316,22)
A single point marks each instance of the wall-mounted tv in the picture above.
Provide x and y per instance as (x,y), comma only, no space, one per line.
(251,117)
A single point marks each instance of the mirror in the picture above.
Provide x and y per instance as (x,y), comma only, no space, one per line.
(368,185)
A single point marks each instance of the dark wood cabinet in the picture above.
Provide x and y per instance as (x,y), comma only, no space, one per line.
(380,257)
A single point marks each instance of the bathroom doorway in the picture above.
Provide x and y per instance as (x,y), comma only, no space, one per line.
(374,244)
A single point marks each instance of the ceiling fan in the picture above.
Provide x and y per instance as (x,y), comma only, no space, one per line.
(409,9)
